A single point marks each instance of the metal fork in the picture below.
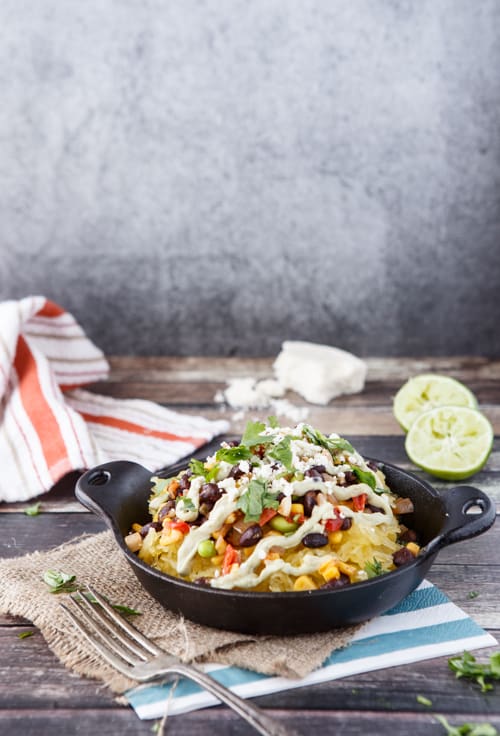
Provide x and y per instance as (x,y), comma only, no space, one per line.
(135,656)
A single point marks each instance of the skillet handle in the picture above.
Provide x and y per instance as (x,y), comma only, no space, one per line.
(461,524)
(106,488)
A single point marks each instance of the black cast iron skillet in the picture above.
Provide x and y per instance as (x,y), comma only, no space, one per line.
(119,492)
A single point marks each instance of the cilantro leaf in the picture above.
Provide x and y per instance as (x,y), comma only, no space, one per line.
(25,634)
(255,499)
(253,435)
(423,700)
(233,454)
(272,421)
(468,666)
(59,582)
(126,610)
(374,568)
(187,503)
(283,453)
(364,476)
(468,729)
(197,467)
(33,510)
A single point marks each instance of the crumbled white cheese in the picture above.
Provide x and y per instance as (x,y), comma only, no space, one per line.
(319,373)
(251,394)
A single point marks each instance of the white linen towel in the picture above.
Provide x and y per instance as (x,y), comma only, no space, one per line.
(50,426)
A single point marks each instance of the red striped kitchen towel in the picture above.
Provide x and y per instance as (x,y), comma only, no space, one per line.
(49,425)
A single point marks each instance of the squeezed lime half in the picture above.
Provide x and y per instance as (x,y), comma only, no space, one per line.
(450,442)
(426,391)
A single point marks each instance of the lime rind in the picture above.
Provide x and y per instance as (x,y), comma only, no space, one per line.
(428,391)
(450,442)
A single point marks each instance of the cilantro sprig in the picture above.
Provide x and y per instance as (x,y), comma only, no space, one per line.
(255,499)
(60,582)
(63,582)
(468,729)
(33,510)
(468,666)
(333,445)
(374,568)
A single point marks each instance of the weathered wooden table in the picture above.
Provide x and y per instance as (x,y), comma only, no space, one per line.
(39,697)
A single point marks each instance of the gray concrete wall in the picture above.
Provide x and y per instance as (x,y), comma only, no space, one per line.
(214,176)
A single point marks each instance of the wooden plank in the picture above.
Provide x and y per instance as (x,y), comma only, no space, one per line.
(197,368)
(197,393)
(48,680)
(343,420)
(121,722)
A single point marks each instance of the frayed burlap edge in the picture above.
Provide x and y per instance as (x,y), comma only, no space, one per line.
(97,560)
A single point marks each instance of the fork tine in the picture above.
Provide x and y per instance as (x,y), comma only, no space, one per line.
(131,630)
(94,611)
(106,653)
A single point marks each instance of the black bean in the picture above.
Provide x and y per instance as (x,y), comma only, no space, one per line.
(163,512)
(408,536)
(374,509)
(184,481)
(337,582)
(251,536)
(350,478)
(210,493)
(236,472)
(346,524)
(315,539)
(402,556)
(152,525)
(373,466)
(309,501)
(315,472)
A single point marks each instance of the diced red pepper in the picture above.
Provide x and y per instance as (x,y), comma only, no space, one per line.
(358,502)
(333,525)
(181,526)
(266,515)
(231,556)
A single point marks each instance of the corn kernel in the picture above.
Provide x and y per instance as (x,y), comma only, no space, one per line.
(230,519)
(217,560)
(414,548)
(349,570)
(304,582)
(136,527)
(329,570)
(335,537)
(297,508)
(220,545)
(170,536)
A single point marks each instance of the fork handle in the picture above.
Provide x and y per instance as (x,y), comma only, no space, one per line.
(253,715)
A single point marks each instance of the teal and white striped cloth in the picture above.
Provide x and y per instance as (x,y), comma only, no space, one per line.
(424,625)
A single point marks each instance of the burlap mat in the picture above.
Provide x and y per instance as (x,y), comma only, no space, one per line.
(97,560)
